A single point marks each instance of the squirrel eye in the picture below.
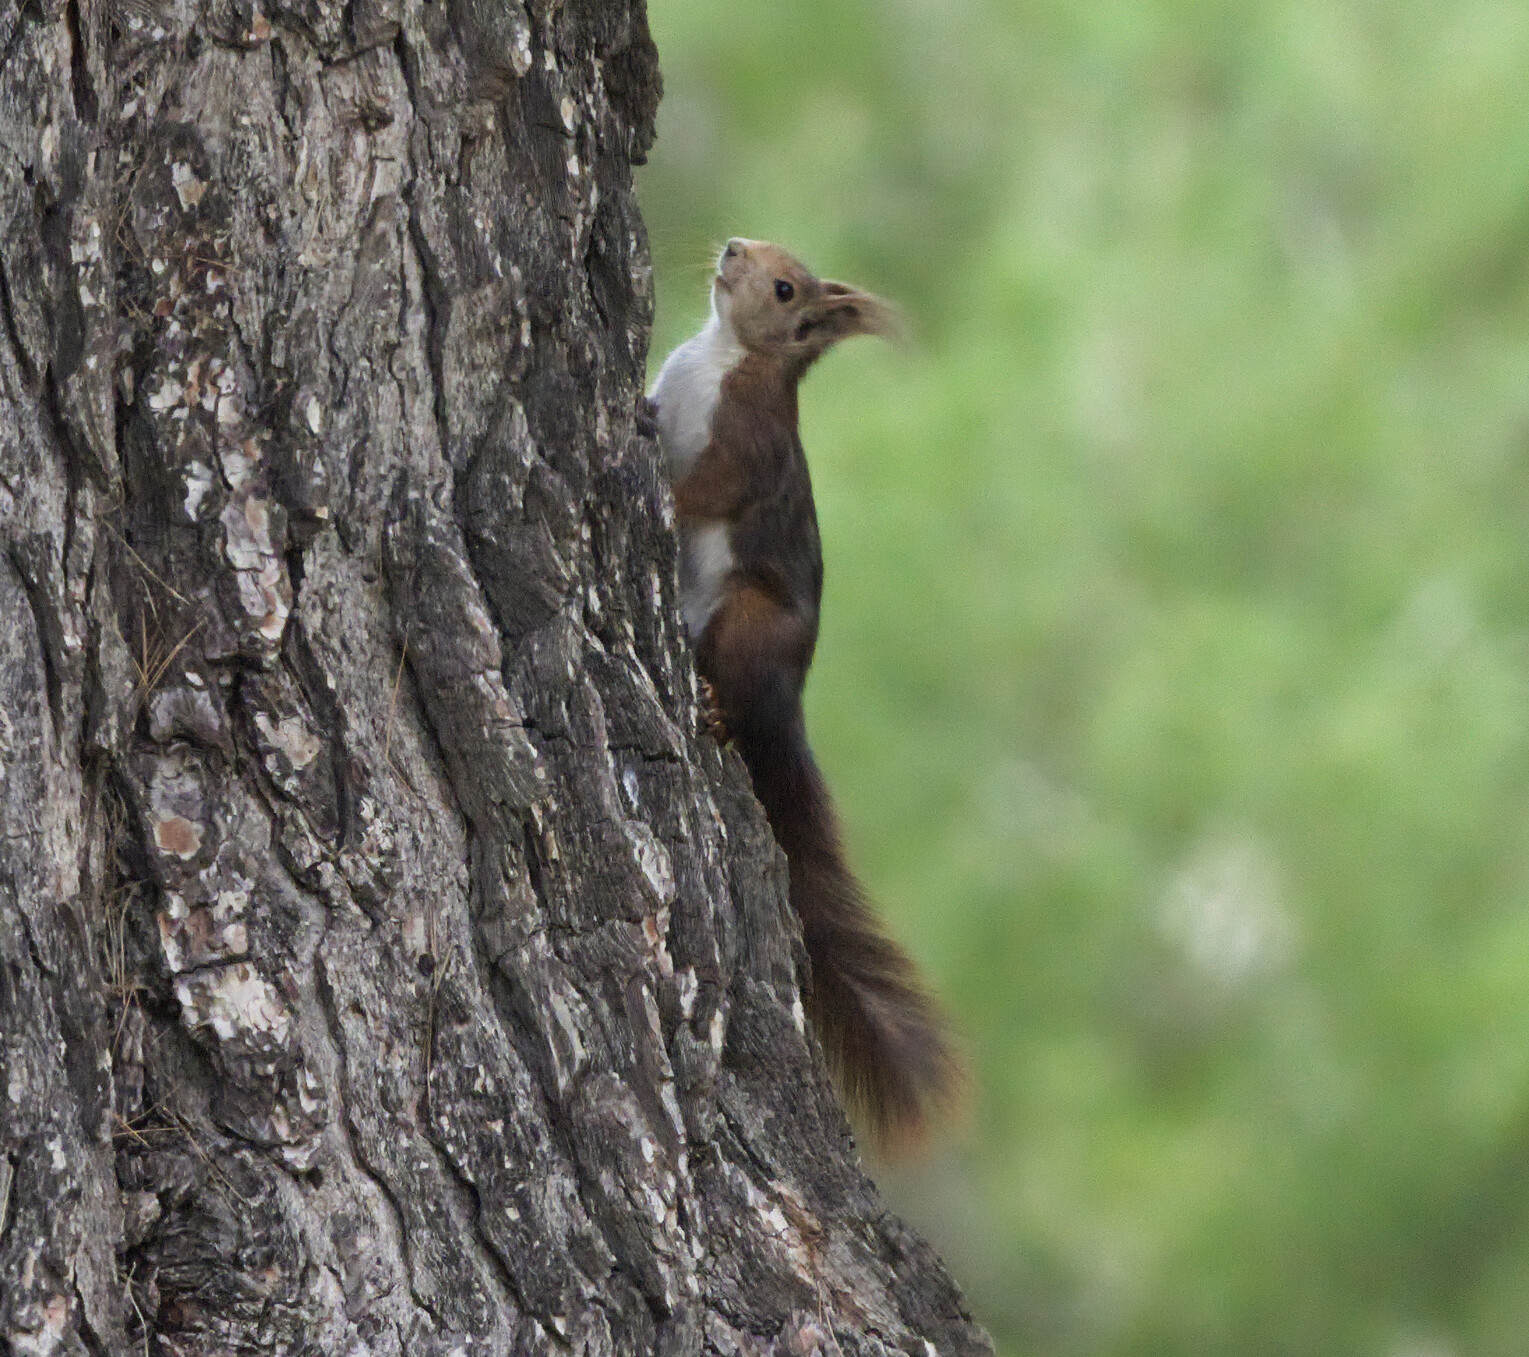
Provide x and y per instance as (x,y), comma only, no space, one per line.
(783,290)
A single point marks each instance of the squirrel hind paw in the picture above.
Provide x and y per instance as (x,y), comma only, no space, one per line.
(713,722)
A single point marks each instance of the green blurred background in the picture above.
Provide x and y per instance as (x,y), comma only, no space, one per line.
(1174,676)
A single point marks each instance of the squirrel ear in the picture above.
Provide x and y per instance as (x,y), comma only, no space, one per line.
(841,311)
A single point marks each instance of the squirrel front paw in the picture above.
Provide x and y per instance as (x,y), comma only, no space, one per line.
(647,417)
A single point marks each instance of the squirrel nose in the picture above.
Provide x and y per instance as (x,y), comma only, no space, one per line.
(734,248)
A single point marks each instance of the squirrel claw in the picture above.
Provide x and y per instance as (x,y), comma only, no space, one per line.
(712,721)
(647,417)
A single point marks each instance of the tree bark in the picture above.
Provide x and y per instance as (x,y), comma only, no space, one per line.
(385,964)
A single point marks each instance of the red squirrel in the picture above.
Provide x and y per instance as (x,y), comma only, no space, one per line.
(751,581)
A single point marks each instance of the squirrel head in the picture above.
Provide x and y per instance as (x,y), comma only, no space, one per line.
(773,304)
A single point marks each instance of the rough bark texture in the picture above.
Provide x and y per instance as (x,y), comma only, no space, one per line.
(385,966)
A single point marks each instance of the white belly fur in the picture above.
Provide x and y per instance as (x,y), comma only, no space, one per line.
(686,390)
(685,393)
(706,558)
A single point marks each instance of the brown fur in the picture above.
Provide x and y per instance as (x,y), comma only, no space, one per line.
(883,1036)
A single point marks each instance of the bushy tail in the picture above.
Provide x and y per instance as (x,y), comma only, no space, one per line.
(883,1035)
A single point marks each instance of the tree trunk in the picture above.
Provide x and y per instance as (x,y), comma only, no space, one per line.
(385,964)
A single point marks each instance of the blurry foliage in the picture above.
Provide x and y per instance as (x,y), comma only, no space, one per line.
(1174,675)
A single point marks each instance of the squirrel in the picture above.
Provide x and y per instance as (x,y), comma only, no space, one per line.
(751,582)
